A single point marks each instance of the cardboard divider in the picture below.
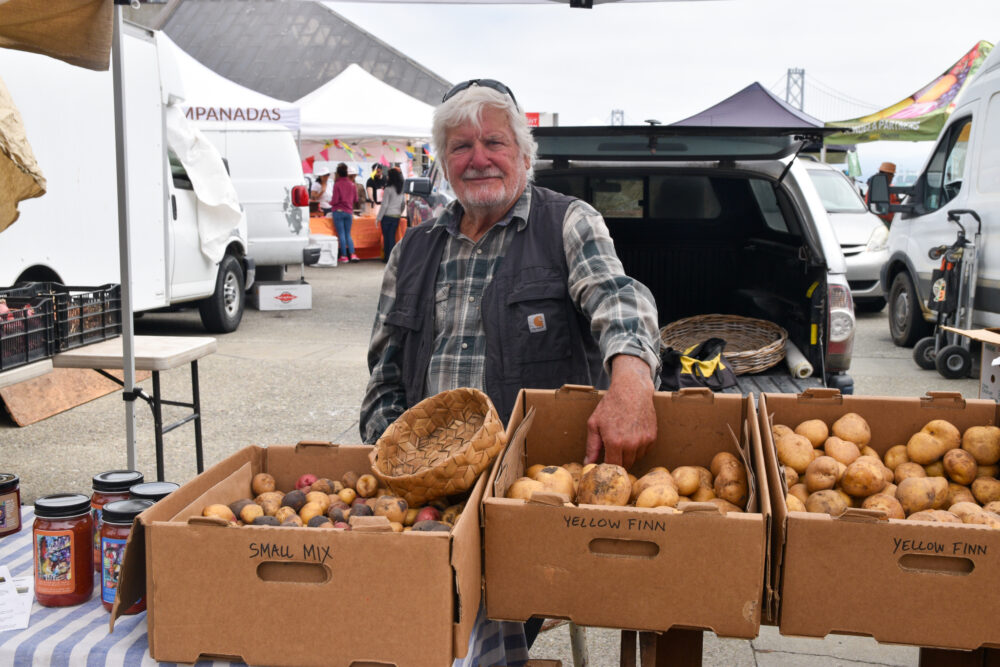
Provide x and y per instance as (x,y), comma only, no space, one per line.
(540,554)
(899,581)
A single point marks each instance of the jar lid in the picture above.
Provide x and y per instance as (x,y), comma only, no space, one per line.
(117,480)
(123,511)
(8,482)
(153,490)
(62,505)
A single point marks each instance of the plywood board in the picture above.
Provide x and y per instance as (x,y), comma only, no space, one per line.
(64,388)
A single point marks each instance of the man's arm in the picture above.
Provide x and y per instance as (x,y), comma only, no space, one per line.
(624,422)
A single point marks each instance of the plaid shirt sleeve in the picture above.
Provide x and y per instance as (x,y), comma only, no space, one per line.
(385,397)
(622,311)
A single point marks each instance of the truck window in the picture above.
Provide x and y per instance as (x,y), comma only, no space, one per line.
(947,165)
(763,192)
(181,179)
(683,198)
(989,158)
(618,197)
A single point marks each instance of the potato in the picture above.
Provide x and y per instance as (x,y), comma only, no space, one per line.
(791,477)
(988,471)
(939,516)
(250,512)
(575,469)
(262,483)
(844,451)
(932,441)
(731,483)
(958,494)
(557,480)
(347,495)
(411,515)
(884,503)
(309,510)
(992,506)
(864,477)
(794,451)
(284,513)
(703,495)
(587,468)
(350,480)
(935,469)
(219,511)
(322,499)
(909,469)
(916,494)
(366,486)
(868,451)
(451,514)
(800,491)
(794,504)
(392,508)
(986,489)
(983,442)
(889,489)
(725,506)
(815,430)
(324,485)
(822,473)
(532,471)
(688,480)
(852,427)
(605,484)
(661,495)
(984,519)
(269,495)
(895,455)
(964,508)
(270,506)
(826,501)
(654,477)
(721,460)
(779,431)
(523,487)
(960,466)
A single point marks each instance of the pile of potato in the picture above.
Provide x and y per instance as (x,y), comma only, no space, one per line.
(723,484)
(940,474)
(325,503)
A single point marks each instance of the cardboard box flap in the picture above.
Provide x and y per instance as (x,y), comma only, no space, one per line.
(467,568)
(232,488)
(989,335)
(132,581)
(777,527)
(943,399)
(743,447)
(511,464)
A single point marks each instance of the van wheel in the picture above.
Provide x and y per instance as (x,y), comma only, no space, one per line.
(222,312)
(906,319)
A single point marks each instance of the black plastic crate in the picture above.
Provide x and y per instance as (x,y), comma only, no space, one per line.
(27,330)
(82,314)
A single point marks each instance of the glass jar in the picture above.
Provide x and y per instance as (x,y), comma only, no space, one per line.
(10,504)
(109,487)
(152,490)
(63,553)
(116,524)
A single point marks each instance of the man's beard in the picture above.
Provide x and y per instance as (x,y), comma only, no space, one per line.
(475,198)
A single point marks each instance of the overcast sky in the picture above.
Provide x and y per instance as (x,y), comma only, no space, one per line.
(669,60)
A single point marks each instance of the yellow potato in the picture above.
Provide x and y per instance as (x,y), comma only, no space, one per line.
(822,473)
(688,479)
(587,468)
(939,516)
(868,451)
(986,490)
(721,460)
(983,442)
(958,494)
(557,480)
(800,491)
(794,504)
(826,501)
(605,484)
(575,469)
(932,441)
(853,428)
(262,483)
(731,483)
(220,511)
(992,506)
(654,477)
(780,431)
(844,451)
(984,519)
(896,455)
(909,469)
(310,510)
(794,451)
(392,508)
(864,477)
(703,494)
(322,499)
(916,494)
(884,503)
(815,430)
(791,477)
(960,466)
(533,471)
(661,495)
(964,508)
(523,487)
(935,469)
(988,471)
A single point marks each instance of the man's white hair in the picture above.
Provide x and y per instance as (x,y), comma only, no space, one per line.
(467,107)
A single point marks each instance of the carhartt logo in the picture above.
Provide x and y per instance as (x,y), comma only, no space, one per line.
(536,323)
(286,297)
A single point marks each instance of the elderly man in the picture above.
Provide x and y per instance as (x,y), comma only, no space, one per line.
(509,288)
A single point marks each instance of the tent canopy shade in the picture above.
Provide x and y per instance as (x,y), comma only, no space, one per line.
(754,106)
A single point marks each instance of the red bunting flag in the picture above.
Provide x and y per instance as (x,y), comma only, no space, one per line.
(307,165)
(325,154)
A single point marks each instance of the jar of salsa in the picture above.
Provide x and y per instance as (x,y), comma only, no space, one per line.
(64,556)
(152,490)
(10,504)
(116,524)
(109,487)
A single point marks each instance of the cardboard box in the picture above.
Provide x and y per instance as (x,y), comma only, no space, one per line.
(899,581)
(299,596)
(282,295)
(627,567)
(989,363)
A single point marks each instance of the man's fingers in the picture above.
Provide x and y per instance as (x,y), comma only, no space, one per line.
(593,447)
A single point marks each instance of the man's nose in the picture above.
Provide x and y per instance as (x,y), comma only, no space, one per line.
(479,157)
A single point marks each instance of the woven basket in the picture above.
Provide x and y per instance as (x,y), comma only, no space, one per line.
(439,446)
(752,345)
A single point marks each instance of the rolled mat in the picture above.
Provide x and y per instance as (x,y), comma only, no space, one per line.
(797,362)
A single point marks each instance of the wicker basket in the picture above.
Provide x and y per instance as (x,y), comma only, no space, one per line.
(752,345)
(439,446)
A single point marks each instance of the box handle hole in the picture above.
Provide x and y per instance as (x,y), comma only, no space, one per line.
(961,567)
(603,546)
(302,573)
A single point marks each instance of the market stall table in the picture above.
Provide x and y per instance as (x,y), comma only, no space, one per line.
(152,353)
(365,233)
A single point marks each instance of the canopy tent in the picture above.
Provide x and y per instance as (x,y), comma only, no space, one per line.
(920,116)
(754,106)
(209,96)
(355,117)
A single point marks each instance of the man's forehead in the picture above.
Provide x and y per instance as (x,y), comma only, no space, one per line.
(491,121)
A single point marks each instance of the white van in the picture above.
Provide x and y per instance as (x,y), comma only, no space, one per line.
(266,169)
(962,173)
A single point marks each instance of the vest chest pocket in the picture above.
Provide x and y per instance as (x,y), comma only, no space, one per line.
(537,321)
(406,313)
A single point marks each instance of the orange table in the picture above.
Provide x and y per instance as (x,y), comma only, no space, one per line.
(365,233)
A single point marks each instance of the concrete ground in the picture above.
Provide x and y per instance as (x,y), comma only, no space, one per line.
(300,375)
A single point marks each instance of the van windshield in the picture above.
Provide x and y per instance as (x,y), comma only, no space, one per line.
(836,192)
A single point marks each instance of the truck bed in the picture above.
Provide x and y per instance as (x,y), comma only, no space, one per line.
(775,381)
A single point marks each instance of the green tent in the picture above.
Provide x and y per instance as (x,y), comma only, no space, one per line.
(920,116)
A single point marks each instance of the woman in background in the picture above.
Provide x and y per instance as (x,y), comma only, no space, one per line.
(393,203)
(322,189)
(342,204)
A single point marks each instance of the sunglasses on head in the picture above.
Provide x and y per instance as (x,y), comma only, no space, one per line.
(487,83)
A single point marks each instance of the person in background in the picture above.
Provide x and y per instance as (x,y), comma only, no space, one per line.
(342,203)
(361,206)
(889,169)
(375,184)
(389,213)
(322,189)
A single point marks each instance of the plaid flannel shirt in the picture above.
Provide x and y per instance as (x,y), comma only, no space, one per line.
(621,311)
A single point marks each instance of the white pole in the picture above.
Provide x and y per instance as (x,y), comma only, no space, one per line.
(124,243)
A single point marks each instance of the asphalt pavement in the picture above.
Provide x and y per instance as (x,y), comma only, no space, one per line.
(287,376)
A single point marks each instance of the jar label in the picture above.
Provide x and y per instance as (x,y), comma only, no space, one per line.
(96,513)
(10,513)
(54,561)
(112,552)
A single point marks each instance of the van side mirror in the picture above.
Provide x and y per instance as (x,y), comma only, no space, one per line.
(420,187)
(878,194)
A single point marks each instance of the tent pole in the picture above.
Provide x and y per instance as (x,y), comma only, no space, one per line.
(124,244)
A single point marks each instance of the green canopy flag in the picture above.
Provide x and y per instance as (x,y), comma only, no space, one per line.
(920,116)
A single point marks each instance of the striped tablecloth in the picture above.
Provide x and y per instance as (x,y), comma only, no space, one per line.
(79,635)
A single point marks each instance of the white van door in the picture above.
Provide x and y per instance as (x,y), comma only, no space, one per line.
(190,269)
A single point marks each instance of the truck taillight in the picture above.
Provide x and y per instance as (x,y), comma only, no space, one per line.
(840,327)
(300,196)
